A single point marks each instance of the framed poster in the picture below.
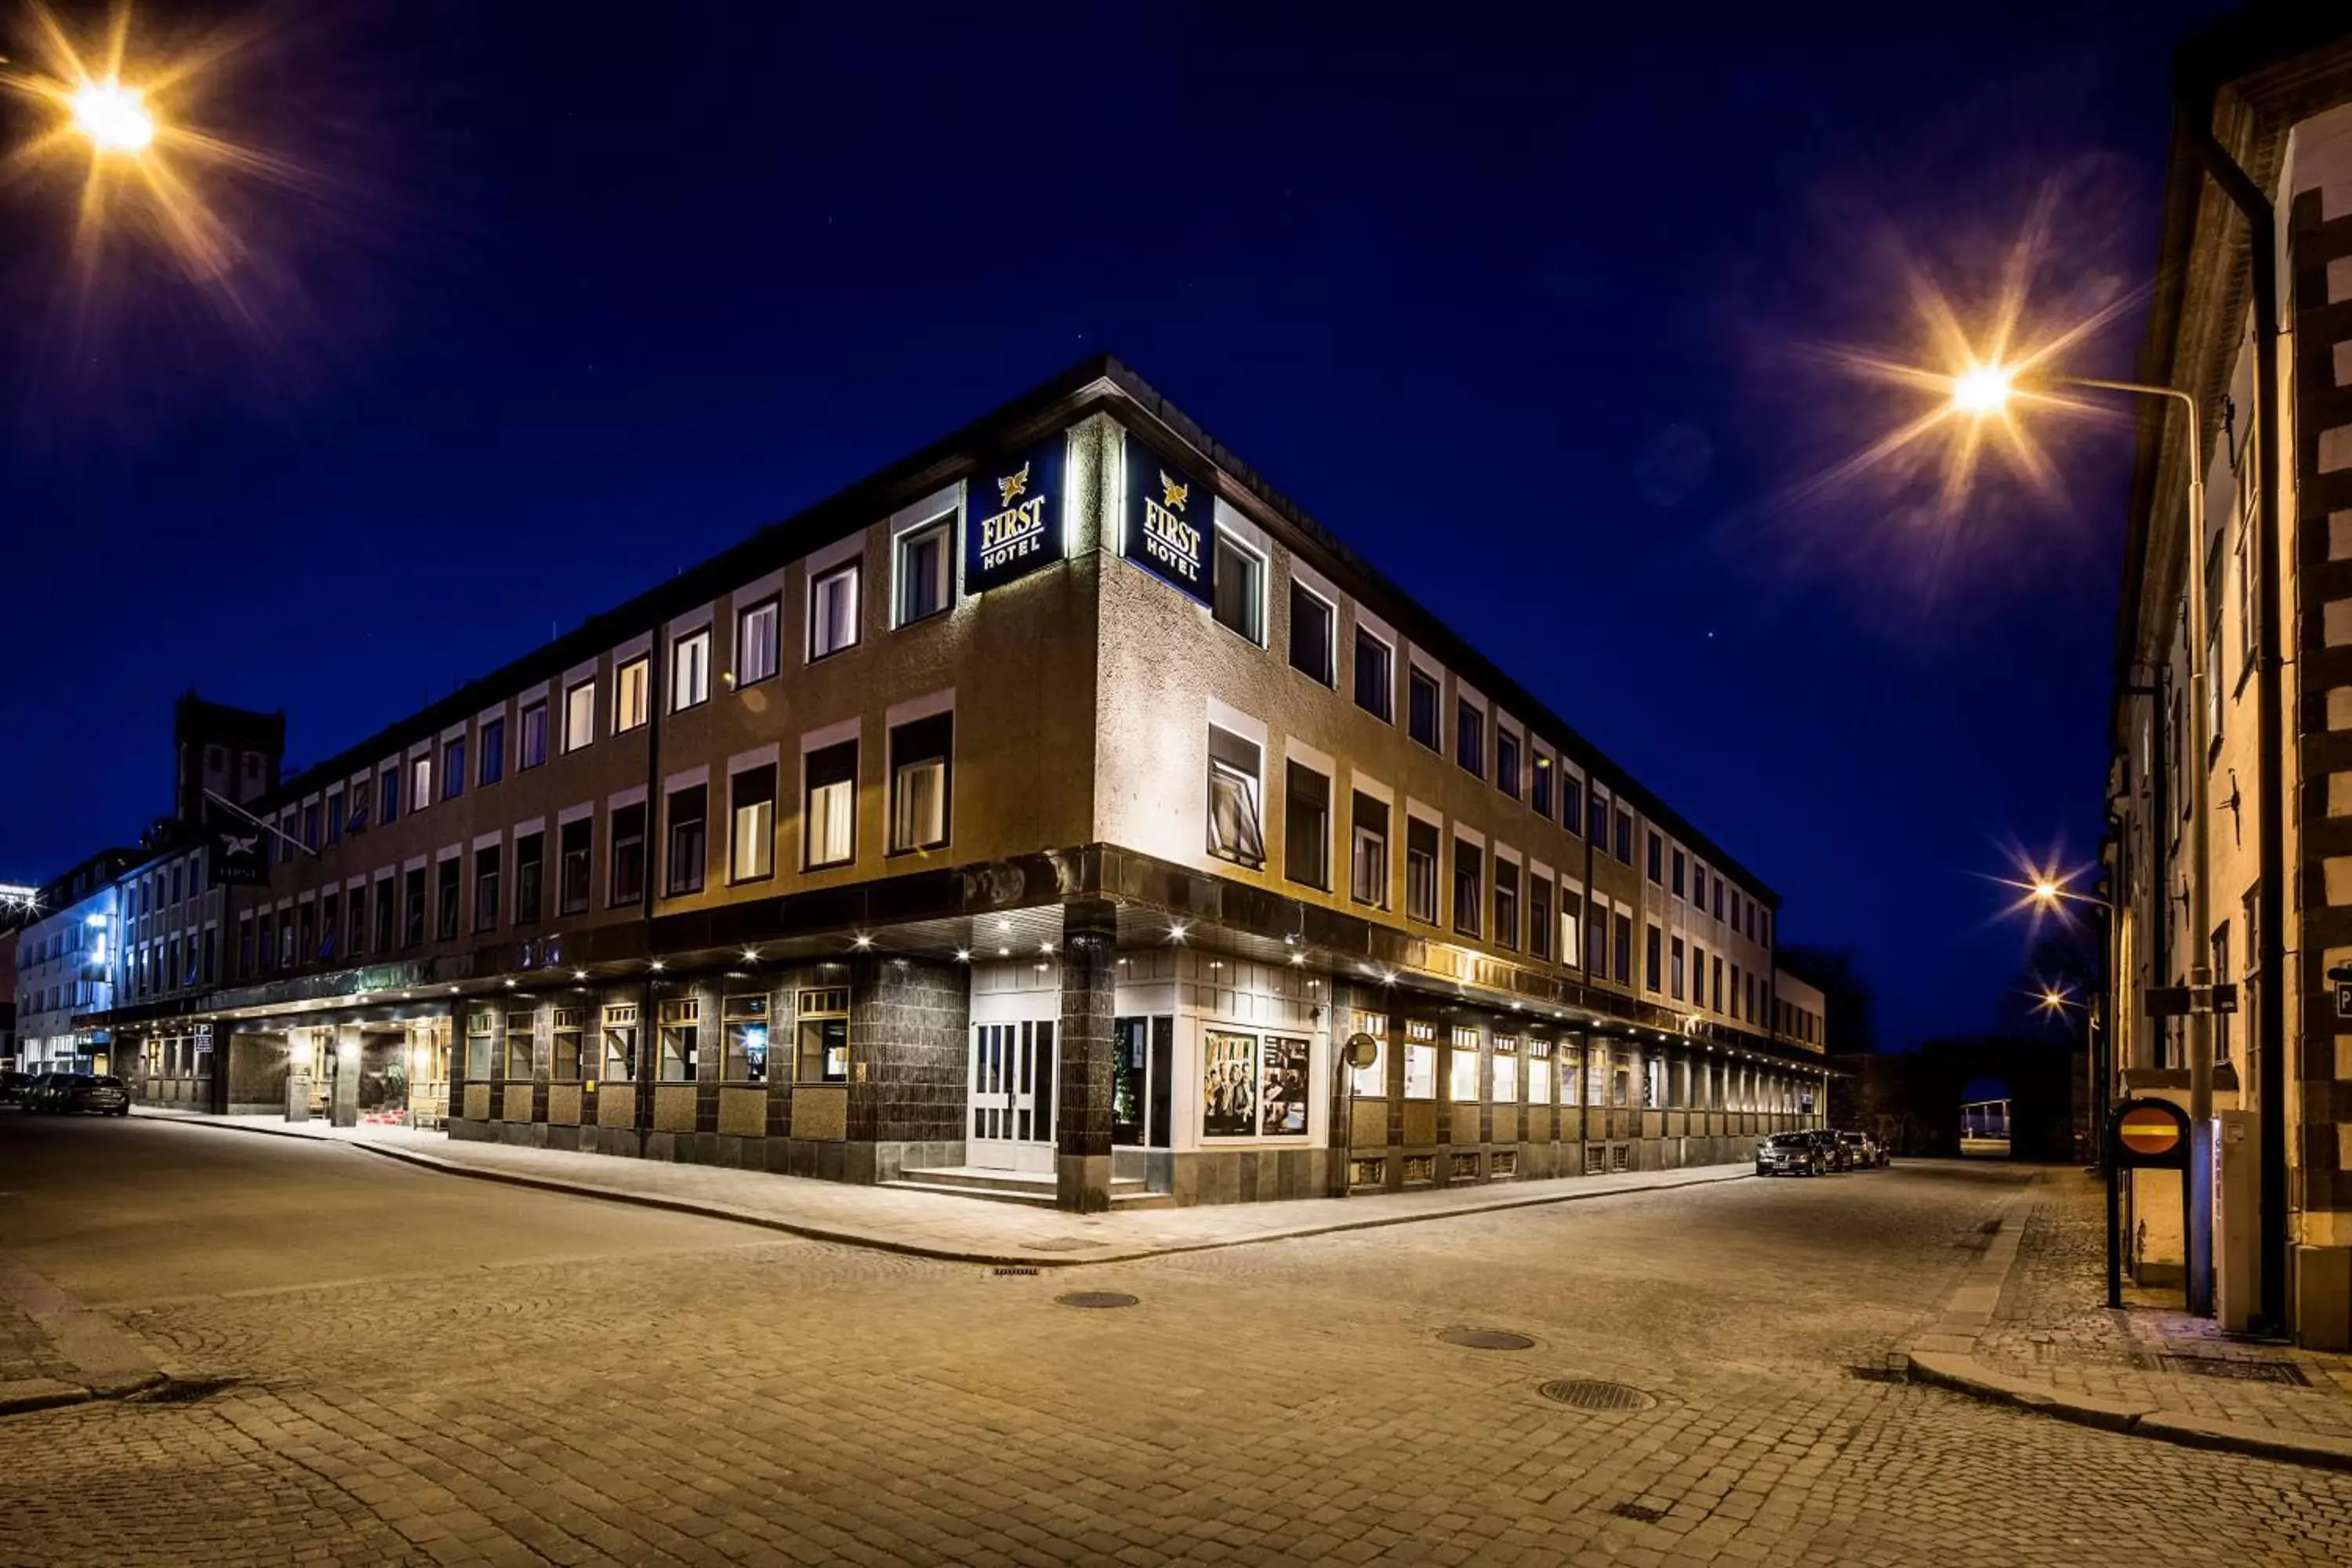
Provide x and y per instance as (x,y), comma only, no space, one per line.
(1282,1091)
(1228,1084)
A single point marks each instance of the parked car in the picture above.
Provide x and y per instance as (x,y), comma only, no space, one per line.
(100,1095)
(13,1085)
(1803,1154)
(41,1088)
(1860,1150)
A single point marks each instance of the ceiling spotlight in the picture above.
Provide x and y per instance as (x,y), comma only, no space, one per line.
(577,974)
(659,966)
(750,955)
(1176,929)
(1002,925)
(1004,953)
(861,941)
(964,955)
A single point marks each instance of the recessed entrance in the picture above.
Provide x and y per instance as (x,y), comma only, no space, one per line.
(1012,1096)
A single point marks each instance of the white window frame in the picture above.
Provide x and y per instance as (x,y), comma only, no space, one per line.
(853,570)
(689,670)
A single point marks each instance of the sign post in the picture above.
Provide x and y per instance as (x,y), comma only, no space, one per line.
(2143,1135)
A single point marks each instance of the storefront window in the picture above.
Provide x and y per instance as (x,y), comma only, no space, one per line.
(1141,1079)
(681,1035)
(1372,1080)
(1506,1070)
(522,1032)
(1420,1060)
(1538,1072)
(747,1038)
(823,1020)
(620,1042)
(563,1038)
(481,1044)
(1462,1066)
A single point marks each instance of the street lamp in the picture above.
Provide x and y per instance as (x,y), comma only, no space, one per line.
(113,117)
(1985,390)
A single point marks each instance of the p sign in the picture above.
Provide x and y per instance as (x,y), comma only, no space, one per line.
(2148,1134)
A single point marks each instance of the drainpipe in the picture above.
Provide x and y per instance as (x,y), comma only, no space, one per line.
(648,1025)
(2262,223)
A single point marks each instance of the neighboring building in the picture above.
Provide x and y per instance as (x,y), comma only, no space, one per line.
(1058,803)
(2274,87)
(64,967)
(8,997)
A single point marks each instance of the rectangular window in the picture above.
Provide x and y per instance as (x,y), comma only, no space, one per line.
(481,1044)
(829,811)
(1735,993)
(682,1038)
(530,750)
(751,836)
(1469,886)
(1540,787)
(522,1030)
(745,1038)
(1572,803)
(1657,862)
(1239,589)
(246,965)
(620,1042)
(1375,677)
(920,759)
(1420,1061)
(1462,1066)
(2220,965)
(757,632)
(449,898)
(690,670)
(633,694)
(1368,865)
(579,715)
(1674,974)
(530,870)
(925,572)
(309,832)
(1621,948)
(1506,1070)
(1235,830)
(1714,981)
(420,782)
(1306,825)
(1312,619)
(386,938)
(452,767)
(1371,1080)
(485,887)
(822,1017)
(1717,881)
(494,752)
(1572,923)
(413,908)
(1421,871)
(833,612)
(355,923)
(1653,963)
(334,816)
(1506,903)
(1470,736)
(1507,762)
(1421,710)
(564,1033)
(628,856)
(1625,835)
(1539,917)
(575,845)
(688,813)
(1677,881)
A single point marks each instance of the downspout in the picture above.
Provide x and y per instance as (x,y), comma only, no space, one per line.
(656,829)
(2196,114)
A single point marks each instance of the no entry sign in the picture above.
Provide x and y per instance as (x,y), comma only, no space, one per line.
(2149,1134)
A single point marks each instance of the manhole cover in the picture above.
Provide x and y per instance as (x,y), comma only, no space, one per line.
(1487,1339)
(1062,1243)
(186,1391)
(2284,1371)
(1591,1393)
(1096,1298)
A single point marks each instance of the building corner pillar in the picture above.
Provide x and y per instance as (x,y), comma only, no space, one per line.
(1082,1064)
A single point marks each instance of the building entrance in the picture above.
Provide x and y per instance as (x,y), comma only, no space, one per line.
(1012,1096)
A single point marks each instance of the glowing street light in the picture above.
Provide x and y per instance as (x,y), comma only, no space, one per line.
(114,118)
(1983,389)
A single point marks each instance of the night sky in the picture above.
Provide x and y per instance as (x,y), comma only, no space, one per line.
(519,313)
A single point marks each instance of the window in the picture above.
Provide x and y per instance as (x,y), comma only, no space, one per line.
(453,771)
(824,1020)
(689,811)
(1469,878)
(833,612)
(1375,677)
(745,1038)
(385,939)
(1507,762)
(1657,862)
(481,1044)
(1421,710)
(1714,981)
(756,636)
(628,855)
(919,753)
(575,847)
(334,816)
(531,751)
(494,752)
(1372,1080)
(1506,902)
(565,1030)
(2220,975)
(1235,830)
(1540,787)
(485,887)
(1625,835)
(1306,825)
(245,966)
(530,857)
(1600,819)
(620,1042)
(924,583)
(690,670)
(1733,1008)
(388,789)
(1572,920)
(1506,1070)
(633,694)
(1470,736)
(1678,874)
(1539,917)
(1368,864)
(355,923)
(1462,1066)
(1674,974)
(449,898)
(1652,959)
(829,813)
(1311,622)
(522,1032)
(681,1037)
(579,715)
(1571,801)
(1239,589)
(1719,895)
(1539,1072)
(1421,871)
(1420,1060)
(751,840)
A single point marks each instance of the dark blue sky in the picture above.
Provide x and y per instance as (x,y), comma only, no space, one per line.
(560,300)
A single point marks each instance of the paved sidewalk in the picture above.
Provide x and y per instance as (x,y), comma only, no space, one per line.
(55,1351)
(932,1225)
(2029,1327)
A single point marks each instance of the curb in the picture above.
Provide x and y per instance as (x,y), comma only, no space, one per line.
(31,1394)
(1945,1357)
(916,1250)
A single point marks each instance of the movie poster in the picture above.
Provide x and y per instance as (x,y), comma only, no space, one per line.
(1228,1084)
(1282,1097)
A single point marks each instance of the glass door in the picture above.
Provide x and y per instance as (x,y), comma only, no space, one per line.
(1141,1072)
(1012,1096)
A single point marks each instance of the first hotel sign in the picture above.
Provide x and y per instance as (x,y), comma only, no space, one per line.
(1015,511)
(1170,532)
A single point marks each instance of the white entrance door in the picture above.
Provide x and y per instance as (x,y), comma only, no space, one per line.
(1012,1096)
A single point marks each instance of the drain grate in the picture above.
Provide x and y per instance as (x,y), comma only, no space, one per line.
(1594,1393)
(1487,1339)
(1638,1510)
(1879,1373)
(1062,1243)
(1096,1298)
(1020,1270)
(2279,1372)
(188,1391)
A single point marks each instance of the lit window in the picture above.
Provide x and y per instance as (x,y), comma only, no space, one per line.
(751,852)
(632,694)
(420,782)
(690,670)
(830,814)
(1421,871)
(1367,873)
(755,643)
(682,1038)
(746,1040)
(579,715)
(1462,1067)
(833,612)
(923,567)
(919,755)
(1235,826)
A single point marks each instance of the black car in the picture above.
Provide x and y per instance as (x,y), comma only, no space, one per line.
(13,1085)
(100,1095)
(41,1090)
(1803,1153)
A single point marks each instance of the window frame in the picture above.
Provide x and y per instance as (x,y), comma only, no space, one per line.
(1386,711)
(917,732)
(1259,569)
(686,866)
(809,814)
(1295,807)
(737,839)
(770,645)
(852,571)
(685,661)
(632,701)
(902,576)
(1328,675)
(1251,784)
(579,736)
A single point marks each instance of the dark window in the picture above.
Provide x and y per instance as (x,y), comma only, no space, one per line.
(1506,903)
(1596,936)
(628,856)
(921,772)
(310,831)
(1469,891)
(1236,826)
(1421,871)
(453,768)
(1540,787)
(1240,590)
(1625,835)
(1507,762)
(355,921)
(335,815)
(204,968)
(1653,966)
(575,845)
(386,934)
(448,874)
(1311,649)
(1375,677)
(485,887)
(391,794)
(1470,736)
(1719,895)
(689,811)
(1572,803)
(1657,862)
(829,806)
(1421,710)
(1677,882)
(1368,861)
(1540,916)
(1306,825)
(1714,981)
(412,933)
(532,750)
(530,855)
(1674,974)
(1621,944)
(494,750)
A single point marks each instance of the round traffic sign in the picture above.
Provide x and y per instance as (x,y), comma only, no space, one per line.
(2150,1131)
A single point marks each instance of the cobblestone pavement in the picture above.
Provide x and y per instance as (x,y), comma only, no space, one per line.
(689,1395)
(25,1352)
(2053,1327)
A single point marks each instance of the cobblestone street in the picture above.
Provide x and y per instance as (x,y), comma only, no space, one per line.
(425,1369)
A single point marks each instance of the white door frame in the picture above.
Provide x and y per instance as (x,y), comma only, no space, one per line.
(1010,1124)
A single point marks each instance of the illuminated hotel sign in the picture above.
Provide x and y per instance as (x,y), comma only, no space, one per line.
(1171,532)
(236,859)
(1015,511)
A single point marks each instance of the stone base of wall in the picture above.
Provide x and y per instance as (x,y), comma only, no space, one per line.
(1248,1175)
